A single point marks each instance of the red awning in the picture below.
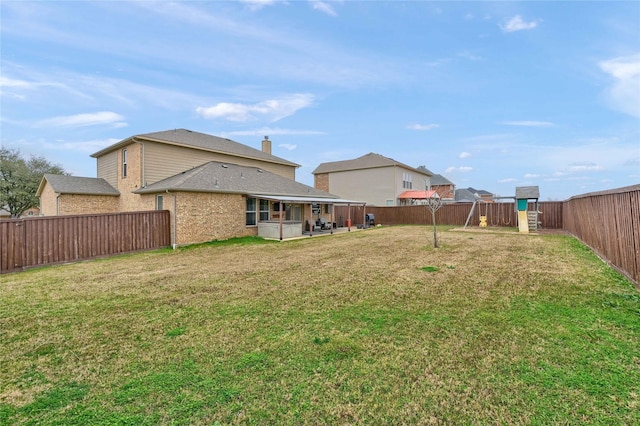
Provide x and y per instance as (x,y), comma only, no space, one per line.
(418,195)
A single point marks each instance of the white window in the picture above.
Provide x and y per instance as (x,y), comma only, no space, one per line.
(389,202)
(160,202)
(124,163)
(251,212)
(407,180)
(264,210)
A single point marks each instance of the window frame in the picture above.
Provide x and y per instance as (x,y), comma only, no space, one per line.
(251,214)
(124,163)
(264,210)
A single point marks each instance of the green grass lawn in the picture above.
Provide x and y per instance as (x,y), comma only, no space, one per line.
(368,327)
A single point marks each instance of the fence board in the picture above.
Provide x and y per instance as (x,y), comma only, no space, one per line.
(609,223)
(48,240)
(498,214)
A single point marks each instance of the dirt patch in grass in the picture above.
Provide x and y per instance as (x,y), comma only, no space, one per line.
(351,328)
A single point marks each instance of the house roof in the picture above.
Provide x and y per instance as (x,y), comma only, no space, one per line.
(464,195)
(63,184)
(425,170)
(418,195)
(480,192)
(439,180)
(368,161)
(202,141)
(220,177)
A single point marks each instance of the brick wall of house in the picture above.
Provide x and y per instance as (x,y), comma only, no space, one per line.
(69,204)
(444,191)
(48,201)
(129,202)
(205,217)
(321,181)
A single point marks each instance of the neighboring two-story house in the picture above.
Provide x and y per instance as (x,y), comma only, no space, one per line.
(443,186)
(215,188)
(372,178)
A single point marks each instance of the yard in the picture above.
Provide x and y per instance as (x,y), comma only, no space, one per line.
(368,327)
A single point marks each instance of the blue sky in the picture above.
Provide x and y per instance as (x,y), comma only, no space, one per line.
(491,95)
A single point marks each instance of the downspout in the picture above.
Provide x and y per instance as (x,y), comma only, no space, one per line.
(175,221)
(57,205)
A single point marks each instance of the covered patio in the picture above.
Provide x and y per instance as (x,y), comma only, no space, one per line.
(317,217)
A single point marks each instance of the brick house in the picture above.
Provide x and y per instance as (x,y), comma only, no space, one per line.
(372,178)
(214,188)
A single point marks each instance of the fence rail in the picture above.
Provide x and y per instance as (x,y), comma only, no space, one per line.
(38,241)
(498,214)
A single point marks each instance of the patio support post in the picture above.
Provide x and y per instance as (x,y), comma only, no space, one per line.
(331,219)
(281,210)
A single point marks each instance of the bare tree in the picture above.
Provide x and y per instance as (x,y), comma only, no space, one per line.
(434,202)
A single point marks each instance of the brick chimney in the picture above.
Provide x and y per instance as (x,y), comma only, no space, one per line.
(266,145)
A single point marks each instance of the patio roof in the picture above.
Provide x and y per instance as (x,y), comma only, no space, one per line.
(418,195)
(305,200)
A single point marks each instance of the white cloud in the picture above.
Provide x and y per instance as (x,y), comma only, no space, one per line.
(507,180)
(271,110)
(624,95)
(461,169)
(288,146)
(464,154)
(86,146)
(10,82)
(83,120)
(517,24)
(528,123)
(257,4)
(585,167)
(531,175)
(271,132)
(423,126)
(323,7)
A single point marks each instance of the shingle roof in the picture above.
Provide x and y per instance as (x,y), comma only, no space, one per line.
(368,161)
(189,138)
(425,170)
(479,191)
(232,178)
(527,192)
(465,196)
(63,184)
(439,180)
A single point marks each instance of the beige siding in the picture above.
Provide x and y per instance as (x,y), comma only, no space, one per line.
(373,186)
(108,168)
(162,161)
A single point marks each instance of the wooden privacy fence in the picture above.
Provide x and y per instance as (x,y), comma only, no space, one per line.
(498,214)
(609,223)
(31,242)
